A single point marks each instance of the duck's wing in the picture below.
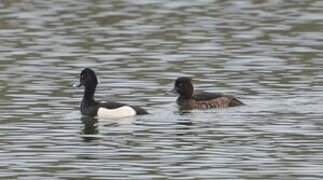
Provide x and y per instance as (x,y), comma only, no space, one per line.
(205,96)
(115,105)
(215,100)
(111,105)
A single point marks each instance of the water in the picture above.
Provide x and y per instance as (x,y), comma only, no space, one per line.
(267,52)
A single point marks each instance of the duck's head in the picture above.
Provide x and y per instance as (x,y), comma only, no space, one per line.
(184,87)
(87,78)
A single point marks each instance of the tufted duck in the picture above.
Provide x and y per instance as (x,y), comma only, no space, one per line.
(90,107)
(189,99)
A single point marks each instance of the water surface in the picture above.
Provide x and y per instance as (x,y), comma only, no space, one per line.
(266,52)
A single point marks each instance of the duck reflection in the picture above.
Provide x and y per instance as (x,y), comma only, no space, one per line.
(90,129)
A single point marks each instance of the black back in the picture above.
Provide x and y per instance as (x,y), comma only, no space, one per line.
(205,96)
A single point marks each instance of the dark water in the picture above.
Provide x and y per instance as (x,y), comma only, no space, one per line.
(268,52)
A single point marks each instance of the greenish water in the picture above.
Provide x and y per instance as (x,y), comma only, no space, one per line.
(267,52)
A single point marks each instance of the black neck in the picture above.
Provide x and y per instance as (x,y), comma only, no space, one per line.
(188,93)
(185,96)
(88,94)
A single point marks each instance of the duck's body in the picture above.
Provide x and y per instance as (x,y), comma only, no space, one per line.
(206,100)
(92,108)
(109,109)
(189,99)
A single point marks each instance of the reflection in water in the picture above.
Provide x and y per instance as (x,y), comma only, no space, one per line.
(268,52)
(90,128)
(186,122)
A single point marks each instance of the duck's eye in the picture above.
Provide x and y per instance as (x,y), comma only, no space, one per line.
(82,76)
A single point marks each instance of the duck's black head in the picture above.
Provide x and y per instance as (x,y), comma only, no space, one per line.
(184,87)
(88,78)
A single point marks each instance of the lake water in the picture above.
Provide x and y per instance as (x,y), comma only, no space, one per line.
(267,52)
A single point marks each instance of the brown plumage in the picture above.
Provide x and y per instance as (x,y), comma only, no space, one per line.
(189,99)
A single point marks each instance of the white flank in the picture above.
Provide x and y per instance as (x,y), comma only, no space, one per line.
(124,111)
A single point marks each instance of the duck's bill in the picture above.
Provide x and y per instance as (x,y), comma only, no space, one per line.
(173,91)
(77,84)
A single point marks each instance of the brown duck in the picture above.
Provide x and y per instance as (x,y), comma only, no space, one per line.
(189,99)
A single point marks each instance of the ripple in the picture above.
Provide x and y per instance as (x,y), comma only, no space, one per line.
(265,52)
